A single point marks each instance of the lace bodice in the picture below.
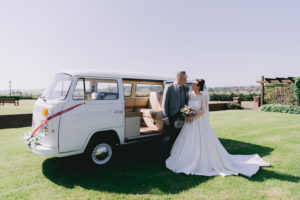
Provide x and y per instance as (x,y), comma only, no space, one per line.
(195,101)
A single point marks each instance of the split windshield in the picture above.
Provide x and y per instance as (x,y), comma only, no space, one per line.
(59,88)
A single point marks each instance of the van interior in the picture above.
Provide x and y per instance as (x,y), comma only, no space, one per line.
(143,108)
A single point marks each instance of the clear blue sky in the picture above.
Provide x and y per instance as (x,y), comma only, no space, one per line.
(226,42)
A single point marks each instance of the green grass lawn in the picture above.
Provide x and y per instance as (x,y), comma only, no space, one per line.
(136,174)
(26,106)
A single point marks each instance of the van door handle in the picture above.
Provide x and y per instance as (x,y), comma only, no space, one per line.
(118,111)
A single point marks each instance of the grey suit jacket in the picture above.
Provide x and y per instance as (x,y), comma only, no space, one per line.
(171,99)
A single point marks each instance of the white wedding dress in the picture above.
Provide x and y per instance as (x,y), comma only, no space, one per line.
(198,151)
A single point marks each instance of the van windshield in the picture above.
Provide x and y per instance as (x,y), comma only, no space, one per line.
(59,87)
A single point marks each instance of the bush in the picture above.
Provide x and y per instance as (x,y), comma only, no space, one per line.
(297,89)
(15,97)
(280,94)
(281,108)
(20,97)
(29,97)
(229,97)
(233,106)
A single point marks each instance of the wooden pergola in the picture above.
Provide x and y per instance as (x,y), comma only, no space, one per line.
(278,80)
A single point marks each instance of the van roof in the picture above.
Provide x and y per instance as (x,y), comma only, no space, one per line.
(118,75)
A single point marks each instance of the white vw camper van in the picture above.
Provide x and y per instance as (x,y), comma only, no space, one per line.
(91,113)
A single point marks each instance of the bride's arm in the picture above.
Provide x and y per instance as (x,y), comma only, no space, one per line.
(200,113)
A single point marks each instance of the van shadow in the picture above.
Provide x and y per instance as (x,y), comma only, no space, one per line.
(136,170)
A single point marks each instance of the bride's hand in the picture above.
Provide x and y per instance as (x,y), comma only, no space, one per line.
(188,119)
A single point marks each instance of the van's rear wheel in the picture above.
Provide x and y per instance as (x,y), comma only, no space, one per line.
(100,153)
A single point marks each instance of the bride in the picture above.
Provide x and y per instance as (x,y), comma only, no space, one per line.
(198,151)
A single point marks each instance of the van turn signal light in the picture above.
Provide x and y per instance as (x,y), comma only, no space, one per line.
(45,111)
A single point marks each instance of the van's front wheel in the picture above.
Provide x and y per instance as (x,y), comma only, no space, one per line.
(100,153)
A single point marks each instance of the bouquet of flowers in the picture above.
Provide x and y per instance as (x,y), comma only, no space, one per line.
(188,111)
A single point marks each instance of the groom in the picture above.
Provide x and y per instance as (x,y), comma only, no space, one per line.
(174,98)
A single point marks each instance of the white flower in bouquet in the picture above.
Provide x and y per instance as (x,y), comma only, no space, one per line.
(188,111)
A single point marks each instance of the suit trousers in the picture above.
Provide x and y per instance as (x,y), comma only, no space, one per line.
(171,132)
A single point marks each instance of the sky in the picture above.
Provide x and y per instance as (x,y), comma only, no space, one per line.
(225,42)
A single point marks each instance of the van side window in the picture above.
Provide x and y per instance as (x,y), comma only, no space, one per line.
(107,90)
(143,90)
(78,93)
(127,89)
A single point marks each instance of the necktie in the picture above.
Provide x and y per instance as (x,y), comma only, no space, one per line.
(181,96)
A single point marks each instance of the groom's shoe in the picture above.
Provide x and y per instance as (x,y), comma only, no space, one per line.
(162,163)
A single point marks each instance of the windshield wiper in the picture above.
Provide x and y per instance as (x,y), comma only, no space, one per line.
(44,98)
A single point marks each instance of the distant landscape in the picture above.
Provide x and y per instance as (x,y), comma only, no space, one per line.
(23,92)
(224,90)
(235,89)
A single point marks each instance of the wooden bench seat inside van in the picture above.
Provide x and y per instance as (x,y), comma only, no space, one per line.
(152,115)
(149,109)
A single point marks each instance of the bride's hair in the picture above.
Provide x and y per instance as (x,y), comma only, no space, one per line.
(200,84)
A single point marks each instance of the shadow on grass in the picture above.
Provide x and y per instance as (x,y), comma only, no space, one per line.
(264,174)
(136,171)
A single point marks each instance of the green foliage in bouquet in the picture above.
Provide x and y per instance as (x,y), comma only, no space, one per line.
(292,109)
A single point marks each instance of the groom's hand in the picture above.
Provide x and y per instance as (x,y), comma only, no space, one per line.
(166,122)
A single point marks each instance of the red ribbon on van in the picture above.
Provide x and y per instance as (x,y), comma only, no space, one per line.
(55,115)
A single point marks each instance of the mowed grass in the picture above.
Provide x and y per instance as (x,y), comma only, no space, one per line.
(25,106)
(136,174)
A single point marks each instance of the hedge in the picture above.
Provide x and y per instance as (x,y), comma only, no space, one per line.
(15,97)
(297,89)
(233,106)
(281,108)
(20,97)
(229,97)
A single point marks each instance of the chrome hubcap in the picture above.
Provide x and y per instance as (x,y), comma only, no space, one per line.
(102,153)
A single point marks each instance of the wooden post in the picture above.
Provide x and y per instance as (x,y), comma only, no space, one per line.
(262,90)
(9,88)
(283,95)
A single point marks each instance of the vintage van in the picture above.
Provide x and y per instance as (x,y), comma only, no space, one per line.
(92,113)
